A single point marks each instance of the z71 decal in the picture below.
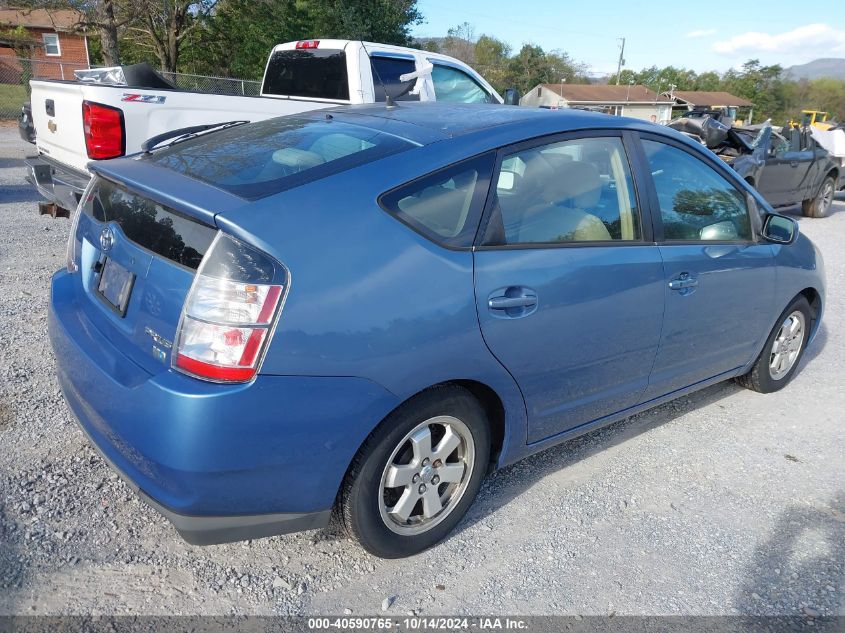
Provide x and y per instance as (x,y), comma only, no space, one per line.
(131,96)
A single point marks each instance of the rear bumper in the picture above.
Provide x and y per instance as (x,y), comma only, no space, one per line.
(58,183)
(221,462)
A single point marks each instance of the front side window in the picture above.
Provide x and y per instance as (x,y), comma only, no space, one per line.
(386,73)
(444,206)
(453,85)
(571,191)
(51,44)
(696,202)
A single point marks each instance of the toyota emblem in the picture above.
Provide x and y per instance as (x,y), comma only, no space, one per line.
(106,239)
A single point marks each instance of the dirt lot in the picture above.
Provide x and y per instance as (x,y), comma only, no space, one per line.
(725,502)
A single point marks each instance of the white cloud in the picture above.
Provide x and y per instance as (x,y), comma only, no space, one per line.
(701,33)
(798,45)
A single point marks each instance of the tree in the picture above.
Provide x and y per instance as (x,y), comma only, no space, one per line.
(237,35)
(387,21)
(162,26)
(491,59)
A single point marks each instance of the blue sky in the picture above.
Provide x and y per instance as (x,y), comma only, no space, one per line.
(656,32)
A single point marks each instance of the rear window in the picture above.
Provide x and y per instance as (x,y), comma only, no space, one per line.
(261,159)
(315,73)
(153,226)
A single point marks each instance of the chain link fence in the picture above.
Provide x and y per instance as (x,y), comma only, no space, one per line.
(15,73)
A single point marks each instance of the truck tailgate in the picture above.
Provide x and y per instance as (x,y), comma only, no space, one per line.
(57,115)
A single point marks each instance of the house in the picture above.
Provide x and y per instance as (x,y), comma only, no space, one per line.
(686,100)
(634,101)
(52,42)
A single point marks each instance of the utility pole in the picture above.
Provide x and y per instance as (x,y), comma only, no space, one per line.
(621,59)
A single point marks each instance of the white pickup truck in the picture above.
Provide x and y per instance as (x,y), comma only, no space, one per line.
(79,121)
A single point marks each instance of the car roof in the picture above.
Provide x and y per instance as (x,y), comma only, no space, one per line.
(427,122)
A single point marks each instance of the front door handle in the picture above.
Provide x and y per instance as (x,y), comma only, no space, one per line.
(503,303)
(683,281)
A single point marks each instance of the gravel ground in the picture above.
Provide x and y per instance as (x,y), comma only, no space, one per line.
(724,502)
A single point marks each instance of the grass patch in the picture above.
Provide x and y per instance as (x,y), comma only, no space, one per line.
(12,97)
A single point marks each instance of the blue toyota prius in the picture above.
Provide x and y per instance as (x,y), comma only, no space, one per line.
(363,310)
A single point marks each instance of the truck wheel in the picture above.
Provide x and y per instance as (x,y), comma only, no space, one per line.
(417,474)
(819,206)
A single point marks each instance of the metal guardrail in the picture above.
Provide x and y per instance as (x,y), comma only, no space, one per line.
(15,73)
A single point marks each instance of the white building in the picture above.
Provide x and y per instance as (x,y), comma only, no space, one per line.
(632,101)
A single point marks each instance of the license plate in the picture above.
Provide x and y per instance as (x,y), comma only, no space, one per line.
(115,286)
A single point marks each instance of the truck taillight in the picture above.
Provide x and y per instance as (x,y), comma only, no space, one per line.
(230,312)
(105,132)
(308,44)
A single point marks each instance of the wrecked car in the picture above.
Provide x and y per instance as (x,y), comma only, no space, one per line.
(787,169)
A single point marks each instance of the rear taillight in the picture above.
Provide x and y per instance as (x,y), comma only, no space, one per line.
(308,44)
(105,133)
(230,312)
(72,241)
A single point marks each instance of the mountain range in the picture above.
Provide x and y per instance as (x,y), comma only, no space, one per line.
(826,67)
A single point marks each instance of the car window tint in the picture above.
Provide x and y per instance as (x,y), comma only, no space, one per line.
(444,206)
(153,226)
(260,159)
(316,73)
(696,202)
(451,84)
(572,191)
(386,73)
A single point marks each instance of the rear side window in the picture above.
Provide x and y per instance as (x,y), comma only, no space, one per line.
(314,72)
(386,71)
(696,202)
(260,159)
(153,226)
(570,191)
(444,206)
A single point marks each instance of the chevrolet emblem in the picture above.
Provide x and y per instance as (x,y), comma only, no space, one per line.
(51,125)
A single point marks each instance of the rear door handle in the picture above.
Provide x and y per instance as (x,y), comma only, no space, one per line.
(512,302)
(682,281)
(503,303)
(793,163)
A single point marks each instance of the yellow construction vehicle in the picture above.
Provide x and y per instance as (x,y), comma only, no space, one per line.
(812,118)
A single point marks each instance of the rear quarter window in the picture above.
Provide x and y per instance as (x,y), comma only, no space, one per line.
(261,159)
(444,206)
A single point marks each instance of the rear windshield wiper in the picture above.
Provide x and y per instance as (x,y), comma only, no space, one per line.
(185,133)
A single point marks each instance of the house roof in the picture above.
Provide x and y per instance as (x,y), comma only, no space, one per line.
(605,93)
(58,19)
(708,98)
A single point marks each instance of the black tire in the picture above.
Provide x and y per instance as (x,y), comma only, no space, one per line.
(361,496)
(819,206)
(760,377)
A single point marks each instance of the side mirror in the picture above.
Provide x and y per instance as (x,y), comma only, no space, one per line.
(511,96)
(780,229)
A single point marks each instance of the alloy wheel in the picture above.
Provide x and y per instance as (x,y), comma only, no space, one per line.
(787,345)
(426,475)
